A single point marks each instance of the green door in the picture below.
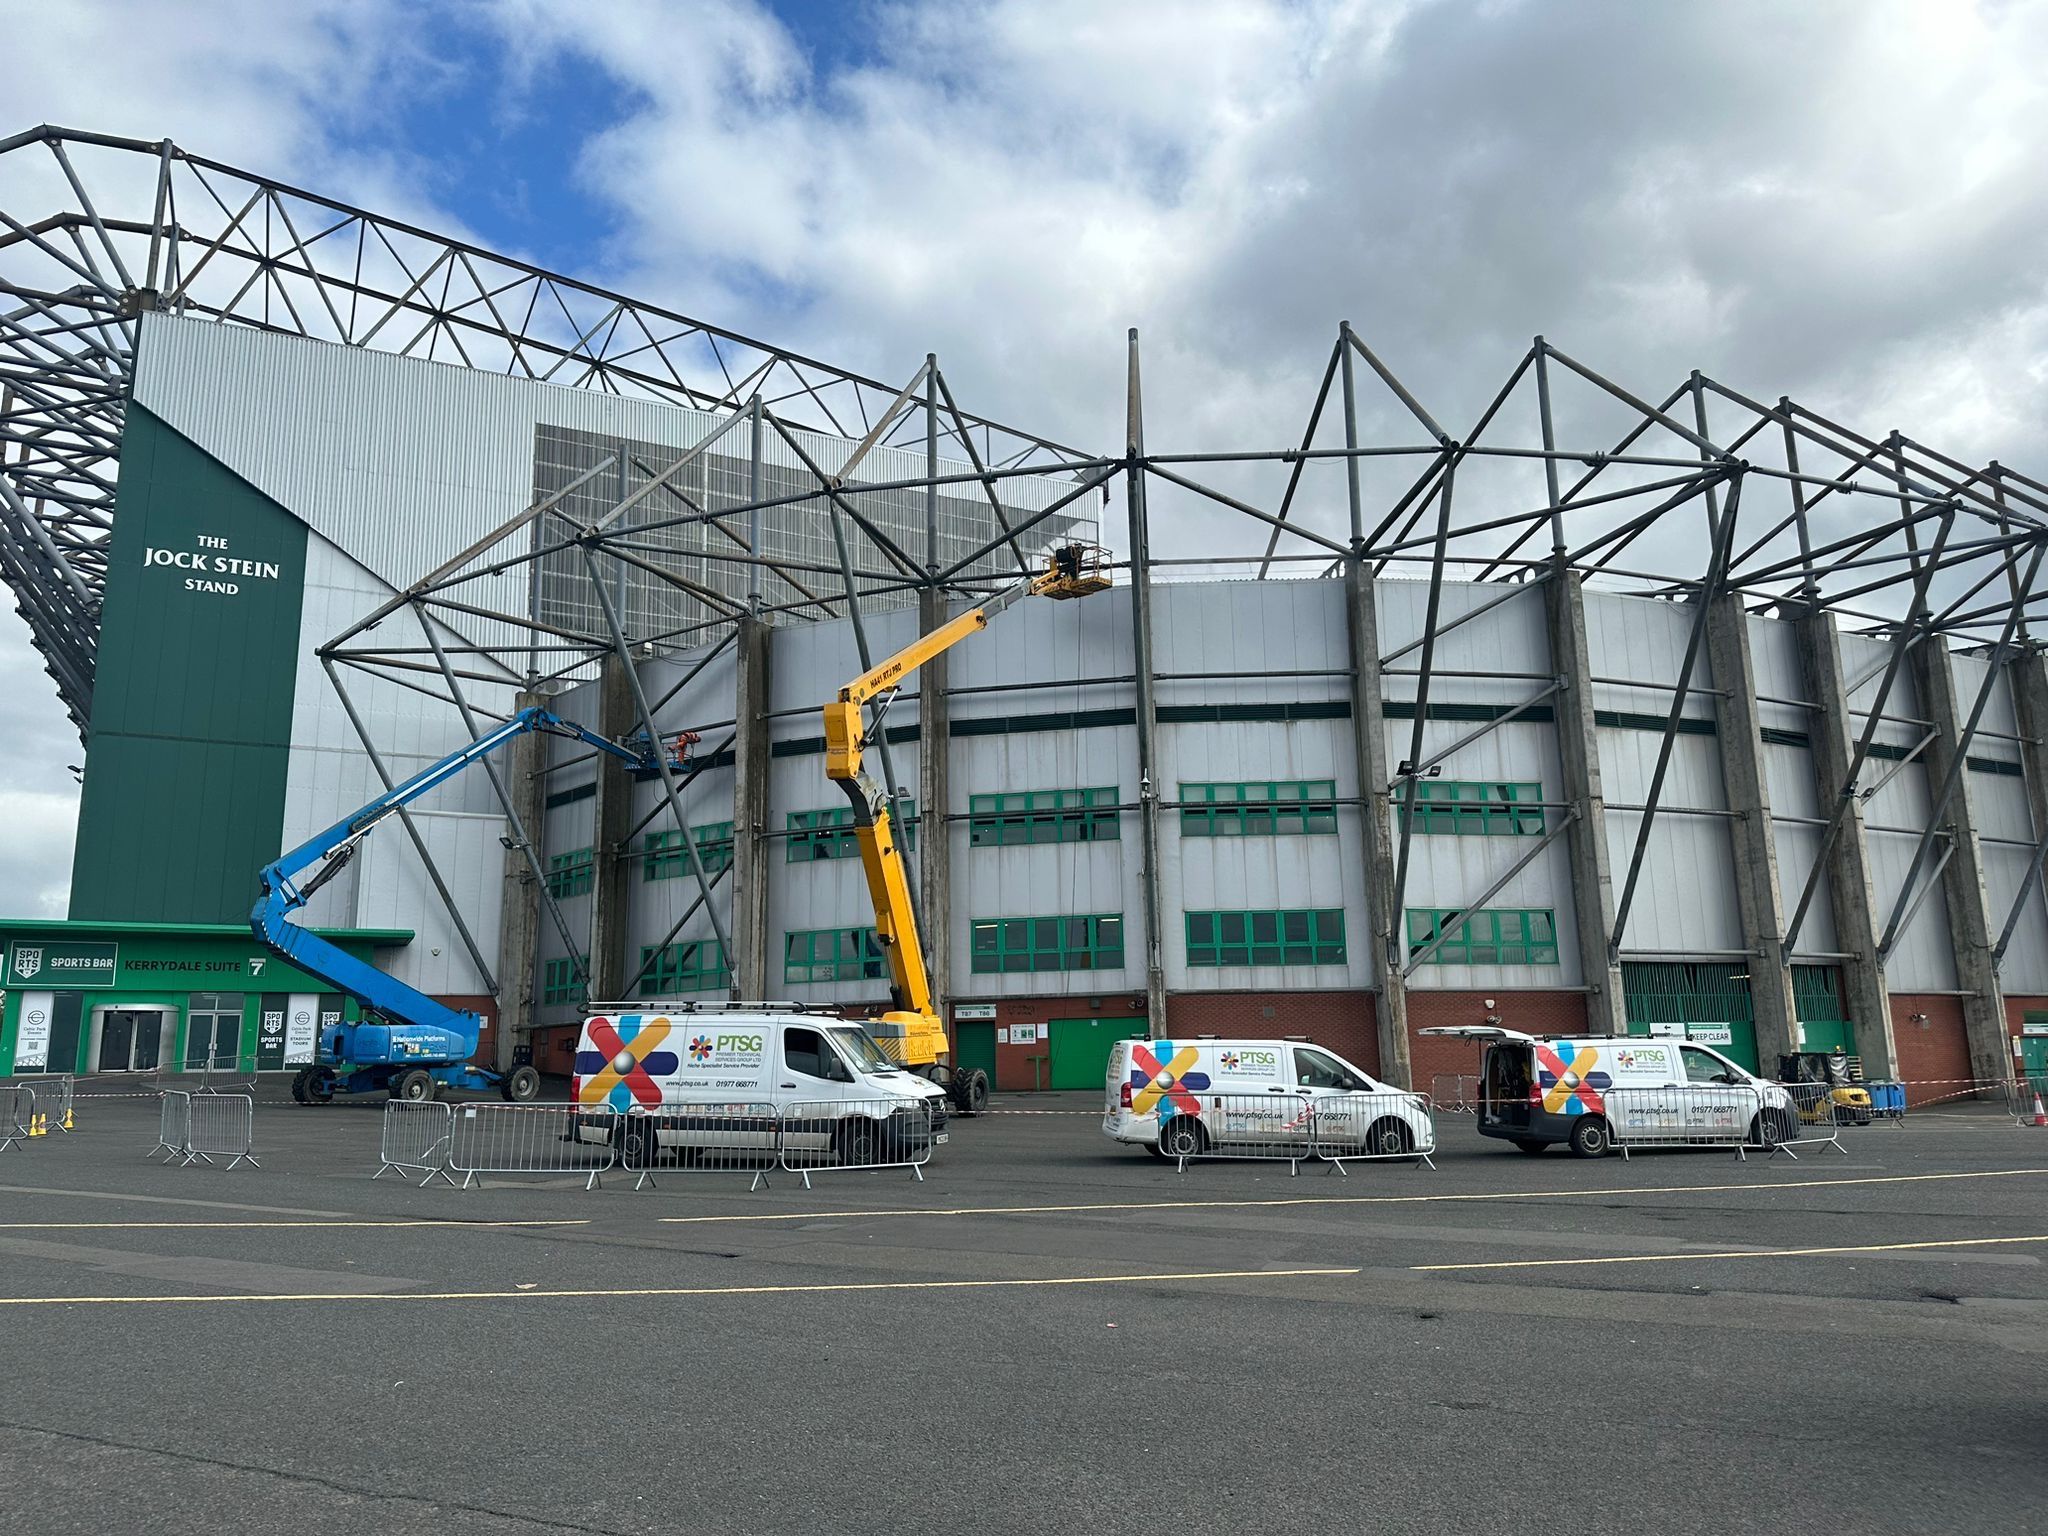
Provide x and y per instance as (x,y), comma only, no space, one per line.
(2034,1053)
(1828,1035)
(1080,1049)
(975,1046)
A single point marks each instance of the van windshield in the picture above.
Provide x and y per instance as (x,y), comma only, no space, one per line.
(858,1046)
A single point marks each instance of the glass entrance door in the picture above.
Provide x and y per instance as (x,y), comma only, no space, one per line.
(130,1039)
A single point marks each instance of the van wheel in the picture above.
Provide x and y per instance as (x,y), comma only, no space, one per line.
(1388,1138)
(859,1143)
(414,1087)
(1183,1136)
(520,1086)
(1522,1144)
(1591,1137)
(639,1144)
(1773,1128)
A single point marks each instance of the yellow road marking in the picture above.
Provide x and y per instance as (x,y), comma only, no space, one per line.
(1732,1253)
(1123,1206)
(682,1290)
(179,1226)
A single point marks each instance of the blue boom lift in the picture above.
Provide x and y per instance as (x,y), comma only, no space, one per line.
(406,1043)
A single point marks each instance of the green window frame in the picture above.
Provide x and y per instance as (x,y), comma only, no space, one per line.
(1490,936)
(666,860)
(558,980)
(1017,945)
(833,954)
(1019,817)
(828,834)
(1259,808)
(1477,808)
(1293,936)
(696,965)
(570,874)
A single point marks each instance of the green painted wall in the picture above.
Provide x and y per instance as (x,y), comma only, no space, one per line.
(192,701)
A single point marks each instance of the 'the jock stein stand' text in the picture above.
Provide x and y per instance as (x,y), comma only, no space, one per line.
(212,559)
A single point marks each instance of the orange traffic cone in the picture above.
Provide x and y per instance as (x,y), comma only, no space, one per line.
(2040,1114)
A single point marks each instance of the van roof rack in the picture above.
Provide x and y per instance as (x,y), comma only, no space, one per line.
(701,1005)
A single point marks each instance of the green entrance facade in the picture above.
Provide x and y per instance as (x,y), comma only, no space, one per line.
(1080,1049)
(89,997)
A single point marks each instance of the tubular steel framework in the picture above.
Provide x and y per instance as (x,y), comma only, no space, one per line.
(1696,494)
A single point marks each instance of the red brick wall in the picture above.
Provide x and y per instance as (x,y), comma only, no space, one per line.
(1534,1013)
(480,1003)
(1342,1021)
(1937,1051)
(2017,1009)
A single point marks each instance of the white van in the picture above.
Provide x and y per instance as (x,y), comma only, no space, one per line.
(1537,1090)
(1177,1098)
(660,1059)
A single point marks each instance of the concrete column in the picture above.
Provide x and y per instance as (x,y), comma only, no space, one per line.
(618,718)
(1578,752)
(1970,928)
(1851,894)
(753,974)
(1376,844)
(1758,903)
(1149,787)
(519,919)
(934,832)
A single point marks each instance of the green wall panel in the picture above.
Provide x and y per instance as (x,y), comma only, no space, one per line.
(192,702)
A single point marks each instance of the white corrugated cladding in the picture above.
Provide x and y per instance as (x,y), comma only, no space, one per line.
(1789,778)
(1265,630)
(1922,959)
(1041,641)
(705,705)
(2005,822)
(1505,653)
(1684,900)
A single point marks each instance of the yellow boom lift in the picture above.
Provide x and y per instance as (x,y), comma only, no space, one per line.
(912,1032)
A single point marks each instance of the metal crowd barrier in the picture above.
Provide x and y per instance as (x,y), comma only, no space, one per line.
(533,1138)
(2023,1095)
(1696,1115)
(1373,1127)
(702,1136)
(1454,1093)
(223,1075)
(17,1116)
(174,1123)
(822,1134)
(221,1125)
(1814,1120)
(53,1099)
(415,1136)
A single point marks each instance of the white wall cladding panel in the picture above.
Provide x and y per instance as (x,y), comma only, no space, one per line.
(1998,801)
(1774,658)
(1510,638)
(1628,765)
(1685,895)
(1040,640)
(1865,658)
(1921,958)
(392,881)
(1252,627)
(1797,847)
(2025,968)
(1643,640)
(1998,726)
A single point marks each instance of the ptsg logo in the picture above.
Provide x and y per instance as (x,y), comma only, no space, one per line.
(752,1044)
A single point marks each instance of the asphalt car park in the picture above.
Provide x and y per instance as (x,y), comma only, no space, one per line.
(1049,1332)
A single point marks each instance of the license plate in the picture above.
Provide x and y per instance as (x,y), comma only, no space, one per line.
(943,1136)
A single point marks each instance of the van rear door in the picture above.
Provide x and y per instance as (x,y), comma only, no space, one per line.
(1505,1079)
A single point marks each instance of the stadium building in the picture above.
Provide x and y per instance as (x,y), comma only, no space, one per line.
(1704,713)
